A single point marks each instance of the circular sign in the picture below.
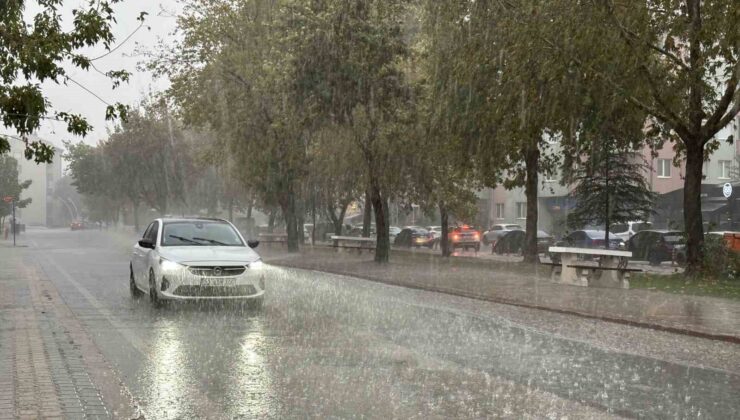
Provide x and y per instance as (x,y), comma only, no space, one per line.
(727,190)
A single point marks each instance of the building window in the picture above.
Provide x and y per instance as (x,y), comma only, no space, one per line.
(550,177)
(664,168)
(521,210)
(500,211)
(724,169)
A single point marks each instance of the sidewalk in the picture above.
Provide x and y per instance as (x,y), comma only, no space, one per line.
(515,284)
(49,366)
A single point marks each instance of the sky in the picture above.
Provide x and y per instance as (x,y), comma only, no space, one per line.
(159,24)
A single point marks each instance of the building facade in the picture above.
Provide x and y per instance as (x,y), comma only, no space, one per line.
(43,178)
(499,205)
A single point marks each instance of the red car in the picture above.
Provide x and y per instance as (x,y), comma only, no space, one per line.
(77,225)
(464,237)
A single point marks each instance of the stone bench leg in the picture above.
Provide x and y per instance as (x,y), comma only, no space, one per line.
(571,275)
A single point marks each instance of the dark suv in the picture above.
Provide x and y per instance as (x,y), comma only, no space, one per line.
(654,246)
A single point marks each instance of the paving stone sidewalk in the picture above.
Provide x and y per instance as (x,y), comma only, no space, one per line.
(49,366)
(708,317)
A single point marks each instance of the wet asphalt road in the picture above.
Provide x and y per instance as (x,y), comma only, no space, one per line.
(327,346)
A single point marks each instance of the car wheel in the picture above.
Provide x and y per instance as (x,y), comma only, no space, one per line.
(153,294)
(135,292)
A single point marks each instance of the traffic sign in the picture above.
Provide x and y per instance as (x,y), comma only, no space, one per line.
(8,198)
(727,190)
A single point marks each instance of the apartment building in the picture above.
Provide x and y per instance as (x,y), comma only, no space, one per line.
(499,205)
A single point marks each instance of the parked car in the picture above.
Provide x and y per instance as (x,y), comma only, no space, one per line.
(654,246)
(629,229)
(393,231)
(77,225)
(464,237)
(414,237)
(587,239)
(497,231)
(513,241)
(197,260)
(435,231)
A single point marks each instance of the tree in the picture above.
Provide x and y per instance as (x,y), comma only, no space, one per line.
(348,70)
(446,180)
(10,186)
(231,73)
(336,172)
(679,63)
(510,92)
(37,52)
(610,187)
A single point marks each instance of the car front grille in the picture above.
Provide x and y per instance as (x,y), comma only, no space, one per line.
(215,291)
(217,271)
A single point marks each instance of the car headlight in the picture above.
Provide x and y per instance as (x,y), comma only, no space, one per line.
(257,265)
(170,266)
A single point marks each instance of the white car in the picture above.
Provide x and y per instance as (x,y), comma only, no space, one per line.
(196,259)
(627,230)
(497,231)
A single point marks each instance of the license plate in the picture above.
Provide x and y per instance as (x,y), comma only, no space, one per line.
(217,282)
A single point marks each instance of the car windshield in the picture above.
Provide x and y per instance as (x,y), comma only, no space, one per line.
(200,233)
(513,227)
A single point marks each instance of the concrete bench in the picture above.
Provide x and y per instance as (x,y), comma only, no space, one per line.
(611,271)
(353,242)
(273,238)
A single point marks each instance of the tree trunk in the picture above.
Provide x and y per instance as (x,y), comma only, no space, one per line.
(313,221)
(445,237)
(231,210)
(606,189)
(338,220)
(531,161)
(288,207)
(692,208)
(271,221)
(135,205)
(380,208)
(300,221)
(366,216)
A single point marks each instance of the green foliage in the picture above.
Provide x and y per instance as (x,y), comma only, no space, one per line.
(35,51)
(610,188)
(720,262)
(10,186)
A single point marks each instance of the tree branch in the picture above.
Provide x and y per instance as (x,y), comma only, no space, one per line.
(719,119)
(631,36)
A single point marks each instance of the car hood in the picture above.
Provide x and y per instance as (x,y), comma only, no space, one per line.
(209,254)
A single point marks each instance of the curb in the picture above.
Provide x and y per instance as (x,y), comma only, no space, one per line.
(454,292)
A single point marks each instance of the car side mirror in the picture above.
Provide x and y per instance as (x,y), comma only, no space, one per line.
(146,243)
(253,243)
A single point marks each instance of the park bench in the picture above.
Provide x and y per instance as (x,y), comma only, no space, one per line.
(273,238)
(611,271)
(353,242)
